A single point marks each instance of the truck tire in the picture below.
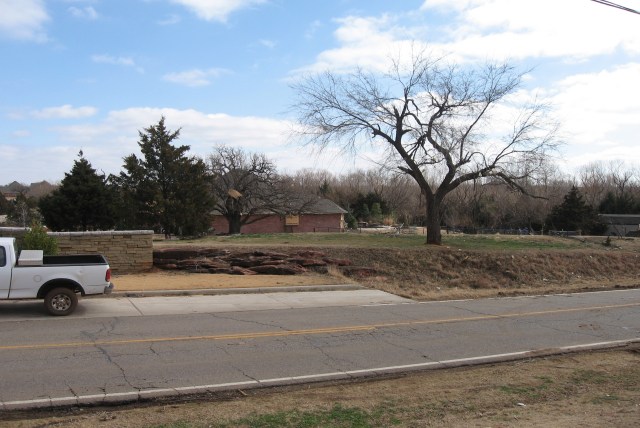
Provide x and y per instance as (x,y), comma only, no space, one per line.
(60,301)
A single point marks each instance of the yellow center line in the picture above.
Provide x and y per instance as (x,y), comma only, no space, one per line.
(327,330)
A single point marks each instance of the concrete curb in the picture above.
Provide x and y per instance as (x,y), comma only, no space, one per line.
(226,291)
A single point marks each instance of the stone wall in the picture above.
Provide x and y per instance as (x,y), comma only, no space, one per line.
(127,251)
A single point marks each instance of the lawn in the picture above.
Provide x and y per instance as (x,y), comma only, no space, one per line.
(388,239)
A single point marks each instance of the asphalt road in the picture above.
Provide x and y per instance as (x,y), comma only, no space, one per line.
(125,349)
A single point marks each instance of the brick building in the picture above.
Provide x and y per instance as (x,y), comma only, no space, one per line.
(323,216)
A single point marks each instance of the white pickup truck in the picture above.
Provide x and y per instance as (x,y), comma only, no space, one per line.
(56,279)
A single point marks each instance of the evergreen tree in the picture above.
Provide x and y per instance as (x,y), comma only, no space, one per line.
(5,206)
(575,214)
(365,204)
(82,202)
(324,189)
(614,204)
(364,214)
(164,190)
(376,212)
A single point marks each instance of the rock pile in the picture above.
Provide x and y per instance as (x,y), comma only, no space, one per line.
(215,260)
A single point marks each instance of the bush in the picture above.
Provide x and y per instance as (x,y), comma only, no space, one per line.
(38,239)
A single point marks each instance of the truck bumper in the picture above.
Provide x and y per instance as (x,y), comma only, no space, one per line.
(109,288)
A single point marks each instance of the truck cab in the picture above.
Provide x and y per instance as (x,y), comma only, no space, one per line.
(6,264)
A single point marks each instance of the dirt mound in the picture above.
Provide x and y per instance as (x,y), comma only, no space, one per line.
(419,273)
(425,272)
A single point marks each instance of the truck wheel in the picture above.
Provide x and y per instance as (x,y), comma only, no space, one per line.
(60,301)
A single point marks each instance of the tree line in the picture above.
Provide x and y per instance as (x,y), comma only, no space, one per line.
(168,191)
(461,149)
(564,202)
(164,189)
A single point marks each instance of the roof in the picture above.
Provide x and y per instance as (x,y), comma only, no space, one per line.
(620,218)
(320,206)
(324,206)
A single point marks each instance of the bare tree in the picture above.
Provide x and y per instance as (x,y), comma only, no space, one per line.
(621,177)
(439,124)
(247,188)
(595,183)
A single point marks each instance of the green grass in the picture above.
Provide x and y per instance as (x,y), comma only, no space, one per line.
(338,417)
(370,240)
(509,243)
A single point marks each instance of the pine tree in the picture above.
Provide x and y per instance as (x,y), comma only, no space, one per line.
(164,190)
(622,204)
(82,202)
(575,214)
(5,206)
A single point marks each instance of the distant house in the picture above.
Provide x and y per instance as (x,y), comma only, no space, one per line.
(322,216)
(621,224)
(10,196)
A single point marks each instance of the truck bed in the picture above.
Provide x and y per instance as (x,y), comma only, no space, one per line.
(75,259)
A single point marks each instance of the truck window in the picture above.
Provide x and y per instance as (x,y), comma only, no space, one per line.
(3,257)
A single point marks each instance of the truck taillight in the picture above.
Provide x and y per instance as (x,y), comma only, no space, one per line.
(107,276)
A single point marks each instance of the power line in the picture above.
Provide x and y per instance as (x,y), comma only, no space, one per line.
(617,6)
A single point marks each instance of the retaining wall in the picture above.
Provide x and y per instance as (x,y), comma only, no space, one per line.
(128,251)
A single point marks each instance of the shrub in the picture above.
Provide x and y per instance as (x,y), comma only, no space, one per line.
(38,239)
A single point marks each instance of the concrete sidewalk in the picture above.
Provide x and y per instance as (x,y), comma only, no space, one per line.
(236,290)
(127,306)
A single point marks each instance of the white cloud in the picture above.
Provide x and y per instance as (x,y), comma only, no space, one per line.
(23,20)
(570,29)
(366,42)
(87,12)
(66,111)
(216,10)
(117,135)
(471,30)
(114,60)
(107,142)
(194,78)
(599,113)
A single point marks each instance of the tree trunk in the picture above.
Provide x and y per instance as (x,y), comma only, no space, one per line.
(234,223)
(434,237)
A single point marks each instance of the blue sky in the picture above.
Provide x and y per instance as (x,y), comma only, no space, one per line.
(89,74)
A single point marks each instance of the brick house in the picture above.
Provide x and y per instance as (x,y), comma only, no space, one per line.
(322,216)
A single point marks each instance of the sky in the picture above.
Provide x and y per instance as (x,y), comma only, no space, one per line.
(90,74)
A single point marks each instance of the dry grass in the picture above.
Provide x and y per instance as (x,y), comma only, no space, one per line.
(166,280)
(446,273)
(466,267)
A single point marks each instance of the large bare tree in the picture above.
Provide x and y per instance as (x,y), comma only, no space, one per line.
(441,124)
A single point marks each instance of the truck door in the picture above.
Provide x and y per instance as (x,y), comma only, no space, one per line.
(5,273)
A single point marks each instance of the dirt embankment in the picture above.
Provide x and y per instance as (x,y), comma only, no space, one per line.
(420,273)
(428,273)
